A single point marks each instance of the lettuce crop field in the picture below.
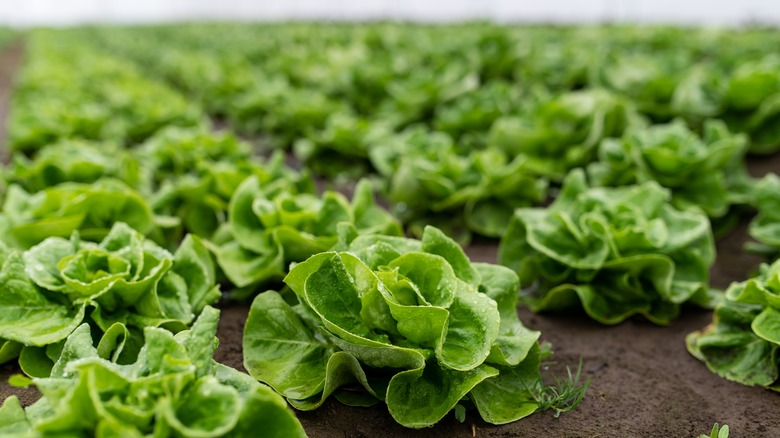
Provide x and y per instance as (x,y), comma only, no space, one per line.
(389,230)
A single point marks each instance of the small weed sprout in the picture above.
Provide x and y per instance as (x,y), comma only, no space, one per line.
(563,395)
(717,432)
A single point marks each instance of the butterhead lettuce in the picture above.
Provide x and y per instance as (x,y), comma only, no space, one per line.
(742,341)
(173,389)
(118,286)
(706,172)
(272,224)
(615,252)
(58,211)
(411,323)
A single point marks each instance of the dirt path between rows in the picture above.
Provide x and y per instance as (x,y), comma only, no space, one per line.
(643,381)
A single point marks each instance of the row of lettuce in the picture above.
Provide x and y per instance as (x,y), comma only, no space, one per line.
(111,230)
(457,79)
(465,123)
(108,177)
(532,129)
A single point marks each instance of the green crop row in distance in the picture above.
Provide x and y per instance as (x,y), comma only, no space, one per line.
(404,101)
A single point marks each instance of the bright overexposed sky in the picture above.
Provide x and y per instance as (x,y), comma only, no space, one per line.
(705,12)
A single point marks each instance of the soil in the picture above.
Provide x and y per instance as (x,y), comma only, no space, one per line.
(643,383)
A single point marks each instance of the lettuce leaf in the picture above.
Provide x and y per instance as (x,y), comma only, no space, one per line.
(431,182)
(341,148)
(285,112)
(649,79)
(765,227)
(75,161)
(195,173)
(102,97)
(185,176)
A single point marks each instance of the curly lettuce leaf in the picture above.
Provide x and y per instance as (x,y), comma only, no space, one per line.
(742,341)
(430,181)
(765,227)
(342,146)
(13,420)
(29,315)
(74,160)
(194,172)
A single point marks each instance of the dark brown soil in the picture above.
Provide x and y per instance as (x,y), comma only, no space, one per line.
(643,381)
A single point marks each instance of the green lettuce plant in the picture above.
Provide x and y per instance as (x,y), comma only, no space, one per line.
(614,252)
(411,323)
(431,182)
(415,97)
(698,94)
(648,78)
(556,59)
(180,181)
(707,171)
(468,118)
(118,286)
(741,344)
(765,227)
(746,96)
(195,172)
(564,132)
(73,160)
(274,106)
(176,151)
(274,223)
(215,81)
(99,97)
(173,389)
(342,146)
(92,209)
(751,102)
